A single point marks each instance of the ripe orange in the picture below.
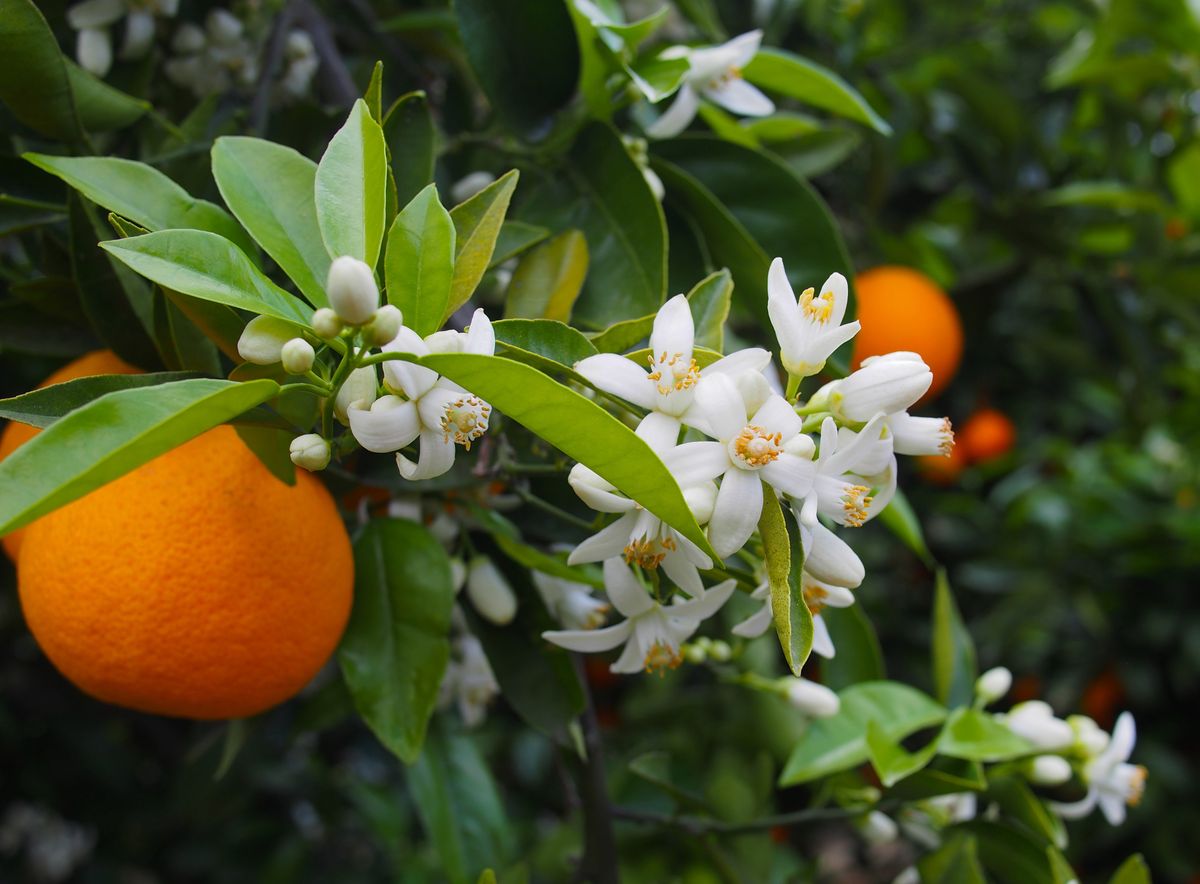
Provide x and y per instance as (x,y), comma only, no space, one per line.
(903,309)
(198,585)
(943,469)
(986,435)
(17,434)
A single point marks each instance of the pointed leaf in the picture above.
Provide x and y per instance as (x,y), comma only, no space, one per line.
(954,669)
(784,557)
(350,184)
(412,139)
(419,262)
(892,762)
(549,279)
(781,71)
(974,735)
(42,407)
(477,225)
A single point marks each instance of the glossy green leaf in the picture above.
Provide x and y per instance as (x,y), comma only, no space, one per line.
(1017,801)
(548,279)
(525,57)
(974,735)
(595,60)
(42,407)
(350,188)
(374,94)
(419,262)
(788,74)
(943,776)
(106,438)
(954,667)
(143,194)
(459,807)
(726,127)
(1010,855)
(784,556)
(270,190)
(899,518)
(543,343)
(412,141)
(892,762)
(709,301)
(859,656)
(477,225)
(956,861)
(658,78)
(1104,194)
(838,743)
(207,266)
(535,559)
(1133,871)
(396,645)
(515,237)
(100,106)
(579,428)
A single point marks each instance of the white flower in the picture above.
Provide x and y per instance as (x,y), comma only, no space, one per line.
(1049,770)
(652,633)
(1035,722)
(353,294)
(829,558)
(809,330)
(883,384)
(957,807)
(489,592)
(812,698)
(920,435)
(1090,738)
(993,684)
(847,467)
(669,385)
(714,72)
(878,828)
(309,451)
(817,596)
(1112,782)
(215,58)
(262,340)
(571,604)
(360,389)
(469,681)
(302,64)
(434,409)
(92,18)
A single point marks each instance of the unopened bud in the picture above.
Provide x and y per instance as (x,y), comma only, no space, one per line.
(362,386)
(386,325)
(812,698)
(297,356)
(693,653)
(1034,721)
(888,383)
(352,290)
(310,451)
(720,651)
(879,828)
(993,684)
(326,324)
(1049,770)
(93,48)
(489,592)
(263,338)
(1089,736)
(458,574)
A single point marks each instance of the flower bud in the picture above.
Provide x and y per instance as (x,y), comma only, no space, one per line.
(93,48)
(720,651)
(812,698)
(362,386)
(310,451)
(458,574)
(385,325)
(1034,721)
(297,356)
(188,39)
(1048,770)
(489,592)
(886,384)
(879,828)
(223,27)
(831,560)
(263,338)
(326,324)
(352,290)
(1089,736)
(993,684)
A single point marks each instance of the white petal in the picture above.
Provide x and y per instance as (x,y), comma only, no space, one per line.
(95,13)
(756,624)
(693,463)
(481,339)
(674,331)
(739,504)
(677,117)
(832,560)
(139,34)
(1124,735)
(721,405)
(597,493)
(776,416)
(699,609)
(739,97)
(446,341)
(389,424)
(744,47)
(624,591)
(93,50)
(1113,807)
(659,431)
(1076,810)
(606,544)
(619,376)
(413,380)
(435,459)
(633,658)
(752,359)
(822,643)
(589,641)
(790,474)
(684,573)
(836,285)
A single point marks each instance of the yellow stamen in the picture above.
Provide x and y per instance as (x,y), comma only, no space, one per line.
(854,504)
(755,447)
(661,657)
(819,309)
(947,434)
(1137,786)
(670,376)
(814,598)
(465,420)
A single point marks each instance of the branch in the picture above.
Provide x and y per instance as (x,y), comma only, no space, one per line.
(599,863)
(695,825)
(337,79)
(272,57)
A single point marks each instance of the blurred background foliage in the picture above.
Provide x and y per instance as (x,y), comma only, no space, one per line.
(1044,168)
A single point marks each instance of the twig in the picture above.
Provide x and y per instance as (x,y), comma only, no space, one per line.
(337,79)
(695,825)
(599,863)
(272,57)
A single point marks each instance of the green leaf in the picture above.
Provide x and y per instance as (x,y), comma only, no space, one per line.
(395,648)
(412,140)
(456,799)
(524,554)
(543,343)
(525,57)
(579,428)
(709,301)
(42,407)
(272,447)
(944,776)
(1115,195)
(784,557)
(209,267)
(142,194)
(100,106)
(515,237)
(419,262)
(350,188)
(788,74)
(859,656)
(374,94)
(891,761)
(658,78)
(270,189)
(839,743)
(974,735)
(727,127)
(954,668)
(112,435)
(956,861)
(1018,802)
(477,224)
(1010,855)
(1133,871)
(900,519)
(548,279)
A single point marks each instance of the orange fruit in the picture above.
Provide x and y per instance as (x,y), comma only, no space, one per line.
(17,434)
(903,309)
(942,469)
(986,435)
(198,585)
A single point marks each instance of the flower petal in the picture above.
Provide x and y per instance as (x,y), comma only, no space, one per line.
(596,493)
(435,459)
(607,543)
(693,463)
(739,504)
(677,117)
(481,339)
(790,474)
(684,573)
(389,424)
(739,97)
(659,431)
(756,624)
(721,406)
(589,641)
(619,376)
(674,331)
(412,380)
(777,416)
(751,359)
(822,643)
(624,591)
(703,607)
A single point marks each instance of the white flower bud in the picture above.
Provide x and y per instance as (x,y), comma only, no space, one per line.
(1035,721)
(95,14)
(720,651)
(224,27)
(1089,736)
(362,386)
(921,435)
(879,828)
(352,290)
(93,48)
(489,592)
(1049,770)
(458,574)
(831,560)
(993,684)
(385,325)
(469,185)
(188,39)
(263,338)
(297,356)
(326,324)
(812,698)
(310,451)
(884,384)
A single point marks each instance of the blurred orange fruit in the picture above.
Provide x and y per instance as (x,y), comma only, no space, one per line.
(903,309)
(17,434)
(198,585)
(986,435)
